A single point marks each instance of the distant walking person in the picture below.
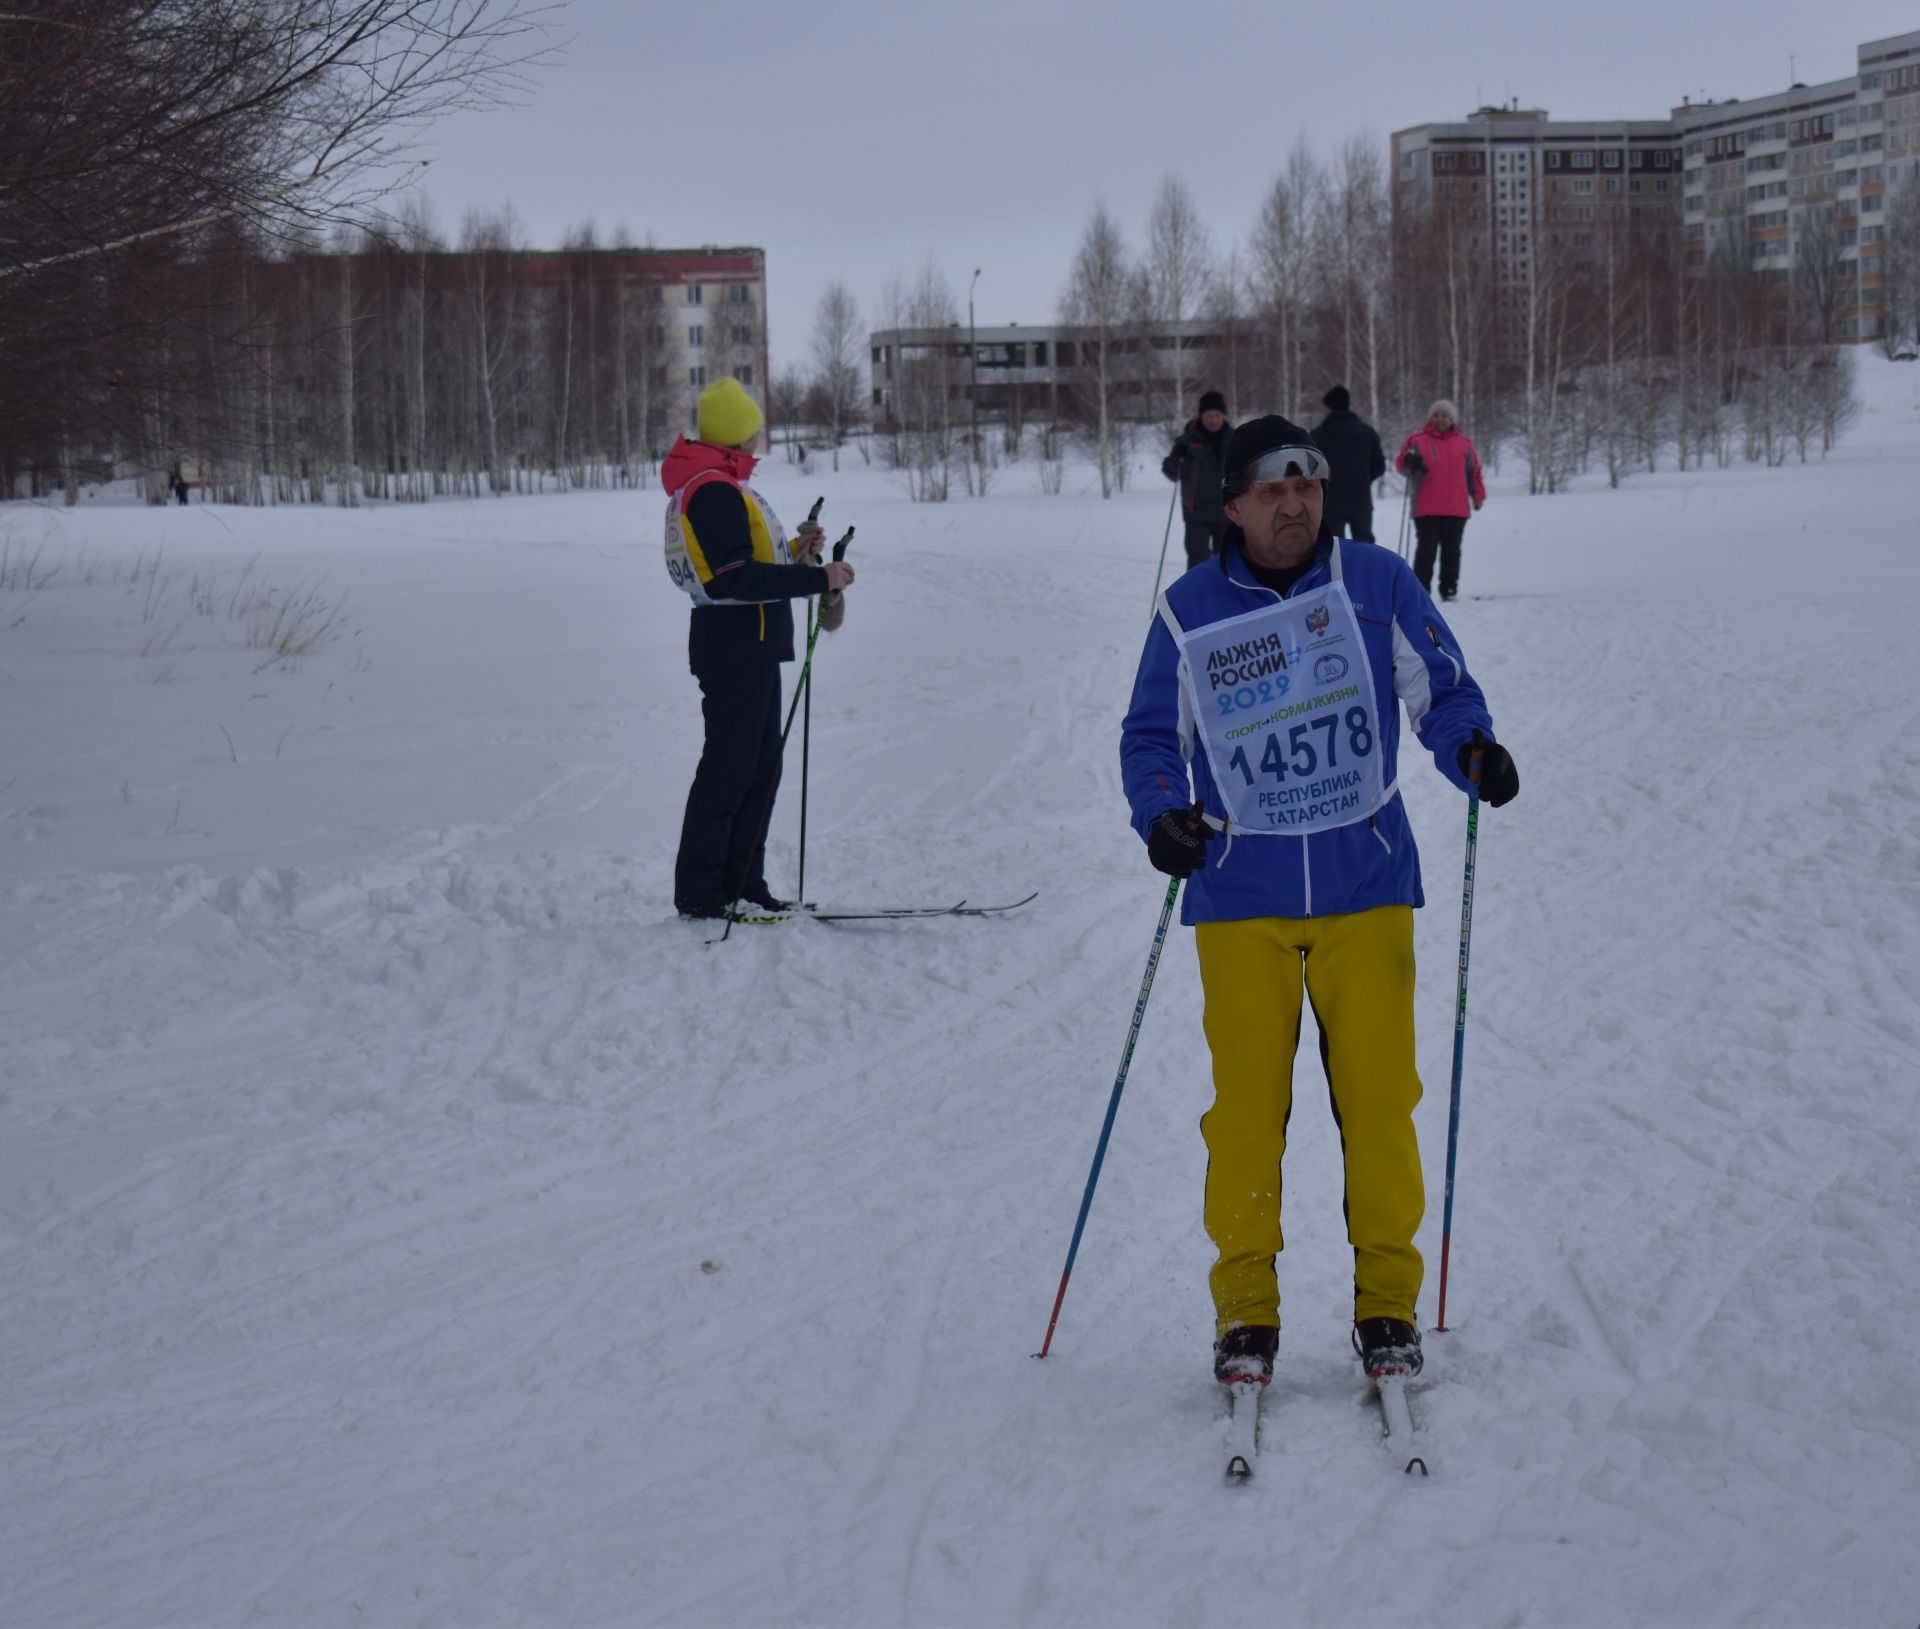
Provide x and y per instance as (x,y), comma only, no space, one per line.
(1197,462)
(1353,449)
(1445,470)
(727,549)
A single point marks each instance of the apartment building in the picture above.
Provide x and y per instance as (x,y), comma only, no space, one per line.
(1771,181)
(1805,174)
(1523,179)
(712,305)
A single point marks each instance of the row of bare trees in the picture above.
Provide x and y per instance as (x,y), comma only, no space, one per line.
(1602,348)
(155,154)
(395,365)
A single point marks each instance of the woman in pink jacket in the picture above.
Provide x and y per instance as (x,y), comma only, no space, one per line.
(1445,471)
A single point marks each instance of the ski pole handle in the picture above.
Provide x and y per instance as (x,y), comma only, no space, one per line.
(813,514)
(840,548)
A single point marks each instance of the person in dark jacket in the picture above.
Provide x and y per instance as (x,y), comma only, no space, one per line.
(1353,449)
(727,549)
(1197,462)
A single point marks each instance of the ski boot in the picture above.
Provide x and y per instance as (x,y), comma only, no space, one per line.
(1387,1346)
(1245,1352)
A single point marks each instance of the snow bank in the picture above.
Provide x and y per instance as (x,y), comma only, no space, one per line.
(403,1219)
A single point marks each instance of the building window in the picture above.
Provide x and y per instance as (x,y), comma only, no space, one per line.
(1634,184)
(1613,184)
(746,374)
(1583,185)
(1583,161)
(1663,160)
(696,336)
(742,335)
(1610,160)
(1443,161)
(694,291)
(697,377)
(1660,183)
(740,294)
(1553,161)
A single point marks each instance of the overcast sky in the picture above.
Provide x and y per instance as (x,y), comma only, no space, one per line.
(855,140)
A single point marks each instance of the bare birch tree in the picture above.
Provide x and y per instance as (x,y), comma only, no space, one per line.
(1098,303)
(1177,265)
(839,349)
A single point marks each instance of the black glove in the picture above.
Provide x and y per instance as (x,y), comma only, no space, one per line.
(1415,464)
(1499,780)
(1177,841)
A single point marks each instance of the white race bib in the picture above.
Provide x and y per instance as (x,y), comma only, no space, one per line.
(680,564)
(1283,703)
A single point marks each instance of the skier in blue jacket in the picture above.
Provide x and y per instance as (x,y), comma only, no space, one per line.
(1259,756)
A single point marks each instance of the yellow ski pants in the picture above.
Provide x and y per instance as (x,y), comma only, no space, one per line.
(1359,976)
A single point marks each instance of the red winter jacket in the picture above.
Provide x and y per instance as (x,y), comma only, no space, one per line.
(1452,484)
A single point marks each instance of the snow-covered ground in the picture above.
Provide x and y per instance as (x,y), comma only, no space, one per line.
(405,1220)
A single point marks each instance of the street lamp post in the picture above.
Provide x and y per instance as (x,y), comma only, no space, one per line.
(973,371)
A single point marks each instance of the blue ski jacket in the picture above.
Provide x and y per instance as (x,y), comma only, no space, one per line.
(1414,657)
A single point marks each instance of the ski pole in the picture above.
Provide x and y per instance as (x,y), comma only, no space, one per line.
(806,750)
(1459,1026)
(800,690)
(1164,536)
(1113,1104)
(1406,504)
(813,635)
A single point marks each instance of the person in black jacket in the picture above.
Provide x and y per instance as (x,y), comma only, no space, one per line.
(1197,462)
(1353,449)
(728,551)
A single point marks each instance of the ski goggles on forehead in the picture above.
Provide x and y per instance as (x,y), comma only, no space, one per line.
(1283,464)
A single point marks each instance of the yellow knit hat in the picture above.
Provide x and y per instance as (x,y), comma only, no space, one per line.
(729,417)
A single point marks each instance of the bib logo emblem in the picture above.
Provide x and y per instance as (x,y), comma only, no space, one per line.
(1317,619)
(1329,668)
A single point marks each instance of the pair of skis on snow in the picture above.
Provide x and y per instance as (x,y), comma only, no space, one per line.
(882,913)
(1243,1428)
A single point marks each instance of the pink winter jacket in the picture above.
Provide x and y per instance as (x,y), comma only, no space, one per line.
(1452,484)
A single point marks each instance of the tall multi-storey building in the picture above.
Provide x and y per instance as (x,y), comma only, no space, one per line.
(1799,180)
(1523,179)
(1796,179)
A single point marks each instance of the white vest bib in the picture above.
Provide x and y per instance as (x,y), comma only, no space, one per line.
(1284,705)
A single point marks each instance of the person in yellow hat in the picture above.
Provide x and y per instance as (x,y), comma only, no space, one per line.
(727,549)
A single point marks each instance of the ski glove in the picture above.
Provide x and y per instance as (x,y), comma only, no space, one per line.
(1177,841)
(1412,462)
(1499,780)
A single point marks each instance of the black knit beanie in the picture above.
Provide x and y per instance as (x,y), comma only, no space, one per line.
(1213,402)
(1255,438)
(1337,399)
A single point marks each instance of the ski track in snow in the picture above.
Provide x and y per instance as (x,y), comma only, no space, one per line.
(368,1120)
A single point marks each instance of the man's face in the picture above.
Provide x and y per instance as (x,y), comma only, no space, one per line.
(1280,520)
(1211,420)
